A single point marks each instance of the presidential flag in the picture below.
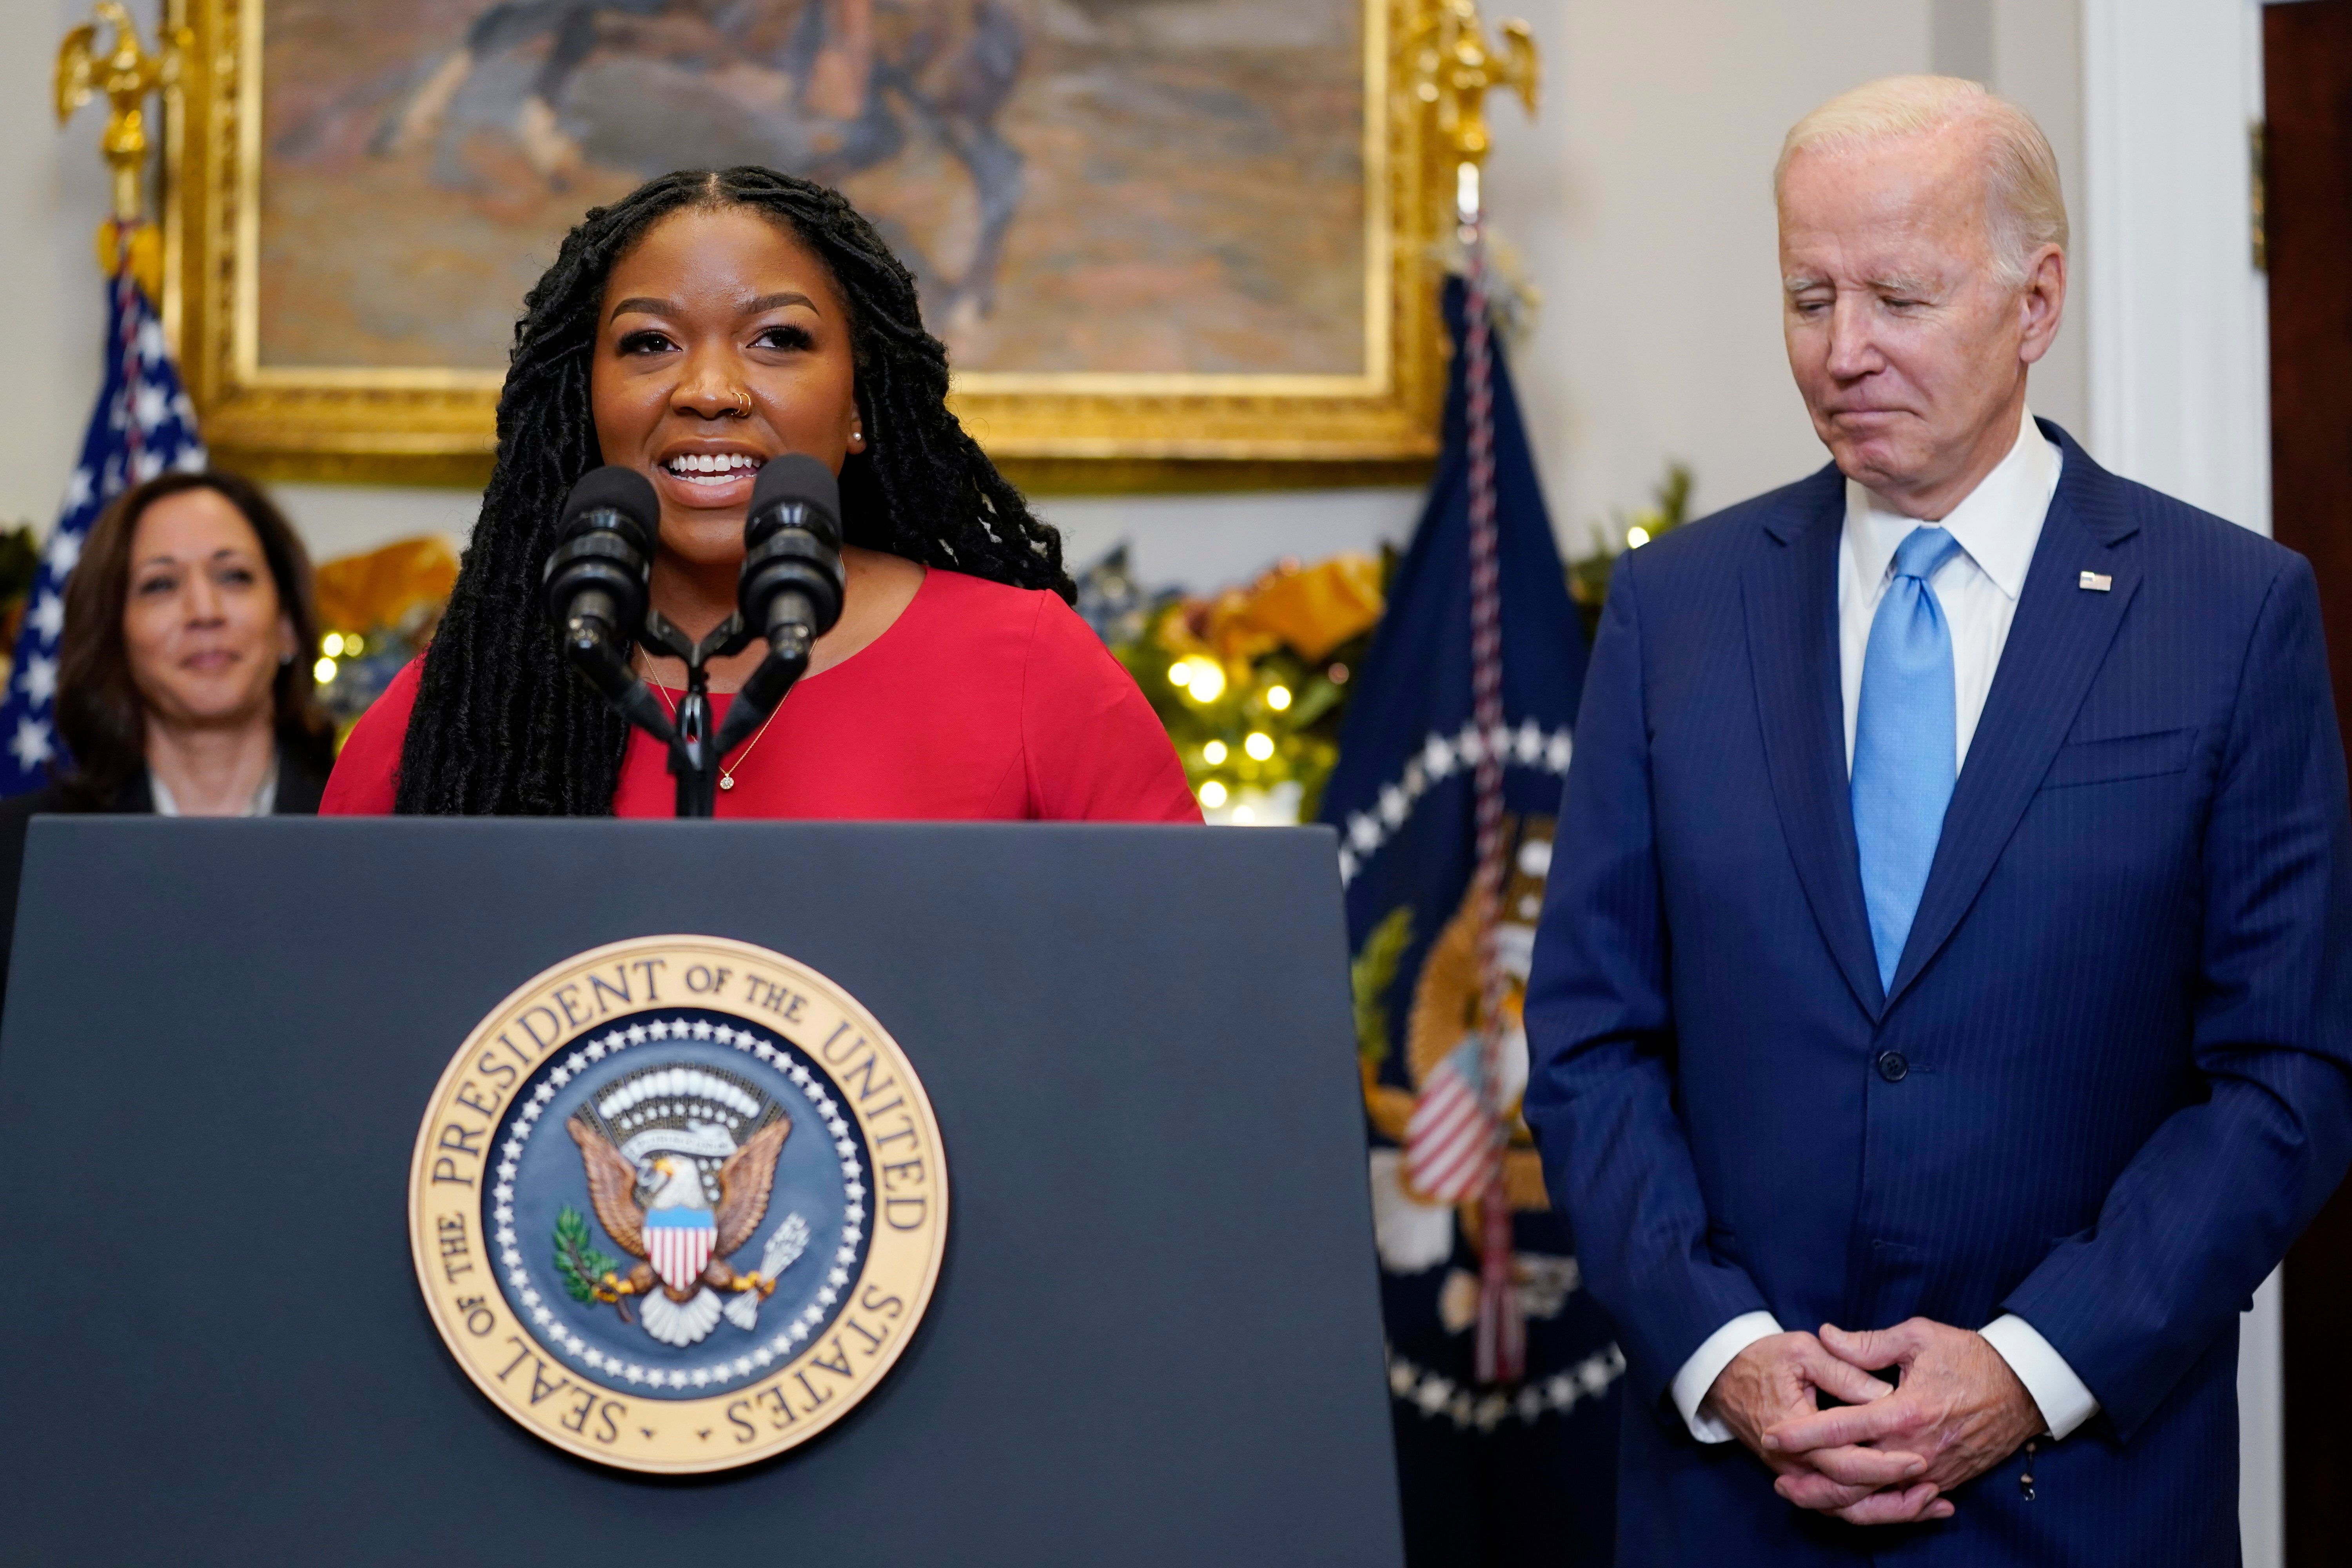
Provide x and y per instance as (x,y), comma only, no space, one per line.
(143,425)
(1503,1372)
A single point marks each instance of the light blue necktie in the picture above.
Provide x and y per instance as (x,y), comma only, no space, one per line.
(1906,748)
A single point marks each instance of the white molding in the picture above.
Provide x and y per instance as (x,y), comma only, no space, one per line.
(2178,318)
(2179,392)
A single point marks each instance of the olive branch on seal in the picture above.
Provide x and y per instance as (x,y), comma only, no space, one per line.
(576,1259)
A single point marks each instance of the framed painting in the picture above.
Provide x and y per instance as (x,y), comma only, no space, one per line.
(1168,242)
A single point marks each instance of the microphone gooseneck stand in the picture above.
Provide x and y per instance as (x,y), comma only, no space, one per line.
(791,590)
(693,753)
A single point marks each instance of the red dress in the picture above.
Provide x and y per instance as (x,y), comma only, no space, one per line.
(979,702)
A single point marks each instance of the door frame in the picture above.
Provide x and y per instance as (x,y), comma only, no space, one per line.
(2178,325)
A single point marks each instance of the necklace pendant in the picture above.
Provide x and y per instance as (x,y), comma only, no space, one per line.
(726,782)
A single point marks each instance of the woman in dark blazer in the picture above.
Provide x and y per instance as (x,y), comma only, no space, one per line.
(183,677)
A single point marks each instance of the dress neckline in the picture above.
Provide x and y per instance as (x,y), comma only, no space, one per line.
(885,635)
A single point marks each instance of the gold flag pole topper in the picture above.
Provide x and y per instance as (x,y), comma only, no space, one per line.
(1453,70)
(127,74)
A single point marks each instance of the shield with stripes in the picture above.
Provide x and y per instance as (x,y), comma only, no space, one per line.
(678,1243)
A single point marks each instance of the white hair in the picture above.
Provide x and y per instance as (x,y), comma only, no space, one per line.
(2024,209)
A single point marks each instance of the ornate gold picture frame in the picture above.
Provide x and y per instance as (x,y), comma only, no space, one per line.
(1116,427)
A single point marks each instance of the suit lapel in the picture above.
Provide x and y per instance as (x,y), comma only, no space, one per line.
(2057,641)
(1788,594)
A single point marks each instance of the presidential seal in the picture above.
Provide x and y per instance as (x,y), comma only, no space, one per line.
(678,1203)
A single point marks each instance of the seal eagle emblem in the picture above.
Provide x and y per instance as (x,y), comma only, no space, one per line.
(732,1237)
(683,1238)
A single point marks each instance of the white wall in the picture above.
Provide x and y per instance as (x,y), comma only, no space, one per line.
(47,373)
(1639,197)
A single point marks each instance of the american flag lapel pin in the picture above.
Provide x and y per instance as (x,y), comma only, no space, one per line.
(2092,583)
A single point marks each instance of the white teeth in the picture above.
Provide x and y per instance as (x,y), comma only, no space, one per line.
(723,464)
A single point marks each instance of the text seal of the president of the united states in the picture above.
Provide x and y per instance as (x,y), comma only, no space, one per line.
(678,1204)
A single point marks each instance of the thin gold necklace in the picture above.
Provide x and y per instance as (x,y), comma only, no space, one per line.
(726,774)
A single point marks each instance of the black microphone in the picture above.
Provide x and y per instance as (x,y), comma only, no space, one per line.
(790,587)
(596,579)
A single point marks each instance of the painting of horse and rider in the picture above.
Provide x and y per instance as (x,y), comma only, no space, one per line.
(1123,186)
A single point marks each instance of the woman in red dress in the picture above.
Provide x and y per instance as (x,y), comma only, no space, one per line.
(697,328)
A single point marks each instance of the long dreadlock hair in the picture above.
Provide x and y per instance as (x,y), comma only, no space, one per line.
(502,725)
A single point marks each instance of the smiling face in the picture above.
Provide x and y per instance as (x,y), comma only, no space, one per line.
(200,618)
(722,343)
(1909,345)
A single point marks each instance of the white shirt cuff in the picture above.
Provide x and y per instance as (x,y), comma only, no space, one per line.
(2061,1397)
(1714,1353)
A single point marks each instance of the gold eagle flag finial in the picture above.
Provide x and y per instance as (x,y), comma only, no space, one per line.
(1451,70)
(127,74)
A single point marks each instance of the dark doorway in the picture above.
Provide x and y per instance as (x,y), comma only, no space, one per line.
(2307,56)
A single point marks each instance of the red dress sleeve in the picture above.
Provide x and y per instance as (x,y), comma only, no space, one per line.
(1094,749)
(367,774)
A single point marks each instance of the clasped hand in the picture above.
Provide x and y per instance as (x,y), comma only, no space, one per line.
(1890,1454)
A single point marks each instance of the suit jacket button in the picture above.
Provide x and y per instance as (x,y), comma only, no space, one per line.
(1892,1066)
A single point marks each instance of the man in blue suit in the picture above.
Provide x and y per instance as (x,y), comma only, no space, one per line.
(1949,931)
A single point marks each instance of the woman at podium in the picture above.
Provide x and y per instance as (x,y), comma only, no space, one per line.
(704,324)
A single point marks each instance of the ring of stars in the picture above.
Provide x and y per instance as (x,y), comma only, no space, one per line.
(1440,758)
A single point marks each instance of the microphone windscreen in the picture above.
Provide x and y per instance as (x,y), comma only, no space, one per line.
(620,490)
(791,478)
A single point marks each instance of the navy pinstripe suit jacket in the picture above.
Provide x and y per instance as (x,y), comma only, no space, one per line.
(2125,1008)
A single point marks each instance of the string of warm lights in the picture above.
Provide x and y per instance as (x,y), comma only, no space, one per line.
(333,647)
(1251,683)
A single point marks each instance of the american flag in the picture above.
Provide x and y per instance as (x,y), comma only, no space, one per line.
(1453,1146)
(143,423)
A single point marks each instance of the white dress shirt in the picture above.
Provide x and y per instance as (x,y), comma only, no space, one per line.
(1998,525)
